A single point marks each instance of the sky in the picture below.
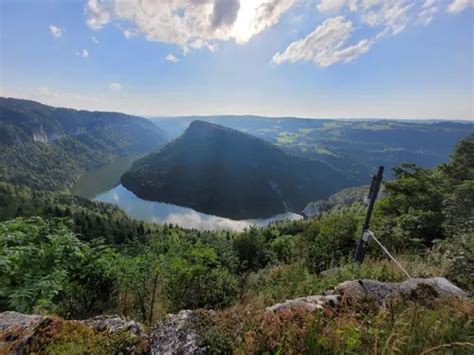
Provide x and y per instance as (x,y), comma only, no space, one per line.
(305,58)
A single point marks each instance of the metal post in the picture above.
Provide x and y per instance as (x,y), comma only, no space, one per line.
(372,197)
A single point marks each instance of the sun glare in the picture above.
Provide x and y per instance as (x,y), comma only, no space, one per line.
(244,25)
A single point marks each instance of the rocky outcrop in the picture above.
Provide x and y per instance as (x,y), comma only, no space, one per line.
(22,334)
(178,334)
(187,331)
(16,331)
(310,303)
(376,291)
(381,291)
(114,324)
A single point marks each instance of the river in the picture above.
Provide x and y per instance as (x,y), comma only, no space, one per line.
(103,184)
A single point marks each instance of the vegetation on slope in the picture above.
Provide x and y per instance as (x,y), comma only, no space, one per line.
(354,146)
(46,267)
(49,148)
(225,172)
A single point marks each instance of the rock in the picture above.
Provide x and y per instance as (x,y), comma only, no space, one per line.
(19,331)
(381,291)
(16,331)
(177,334)
(375,290)
(310,303)
(113,324)
(315,209)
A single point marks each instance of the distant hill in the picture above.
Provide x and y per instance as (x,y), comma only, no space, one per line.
(224,172)
(354,146)
(48,148)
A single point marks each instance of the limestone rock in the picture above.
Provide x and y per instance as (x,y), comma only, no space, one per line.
(374,290)
(310,303)
(381,291)
(177,334)
(113,324)
(16,331)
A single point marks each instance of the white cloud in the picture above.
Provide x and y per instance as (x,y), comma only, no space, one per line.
(335,5)
(459,5)
(55,31)
(83,53)
(95,40)
(184,22)
(128,33)
(326,45)
(329,43)
(98,14)
(171,58)
(428,10)
(115,86)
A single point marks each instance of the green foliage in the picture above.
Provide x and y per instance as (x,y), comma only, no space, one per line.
(456,255)
(459,172)
(46,268)
(193,277)
(92,220)
(251,250)
(331,238)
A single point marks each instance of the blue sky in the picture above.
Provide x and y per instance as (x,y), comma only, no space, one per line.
(308,58)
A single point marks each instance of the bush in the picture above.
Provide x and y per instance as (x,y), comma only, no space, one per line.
(330,238)
(192,277)
(45,268)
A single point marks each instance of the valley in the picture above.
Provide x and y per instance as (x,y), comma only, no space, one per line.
(103,185)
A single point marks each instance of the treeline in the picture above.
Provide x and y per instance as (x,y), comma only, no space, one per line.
(50,265)
(91,219)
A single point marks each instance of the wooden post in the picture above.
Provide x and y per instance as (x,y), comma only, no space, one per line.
(373,193)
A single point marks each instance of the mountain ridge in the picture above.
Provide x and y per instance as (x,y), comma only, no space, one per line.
(45,147)
(225,172)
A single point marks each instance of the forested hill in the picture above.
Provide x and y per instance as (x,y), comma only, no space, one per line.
(49,148)
(355,146)
(218,170)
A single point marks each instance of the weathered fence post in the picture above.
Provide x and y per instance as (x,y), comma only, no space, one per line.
(372,197)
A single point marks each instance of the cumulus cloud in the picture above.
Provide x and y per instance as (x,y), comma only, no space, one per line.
(326,45)
(95,40)
(83,53)
(459,5)
(331,41)
(55,31)
(115,86)
(183,22)
(225,12)
(171,58)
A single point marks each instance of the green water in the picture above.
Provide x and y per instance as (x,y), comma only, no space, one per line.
(102,179)
(103,184)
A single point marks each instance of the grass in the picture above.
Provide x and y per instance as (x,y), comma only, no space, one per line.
(418,325)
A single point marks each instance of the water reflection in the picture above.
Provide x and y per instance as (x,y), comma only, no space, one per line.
(185,217)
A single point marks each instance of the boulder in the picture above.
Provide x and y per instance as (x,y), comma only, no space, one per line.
(17,330)
(178,334)
(381,291)
(310,303)
(114,324)
(377,291)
